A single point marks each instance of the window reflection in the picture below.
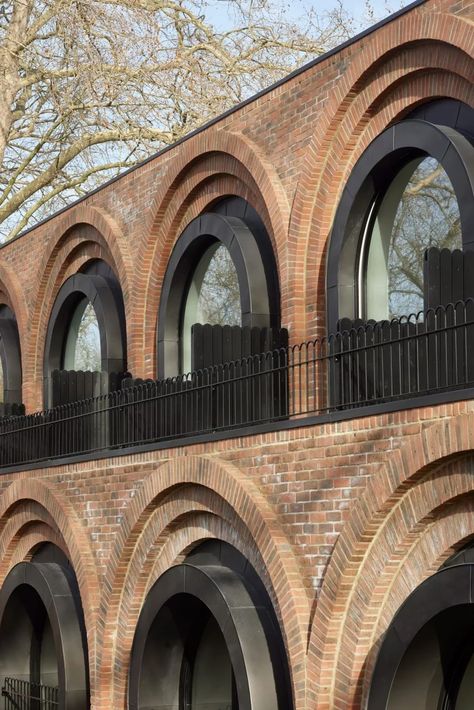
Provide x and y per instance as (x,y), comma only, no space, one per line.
(212,672)
(82,349)
(418,211)
(213,296)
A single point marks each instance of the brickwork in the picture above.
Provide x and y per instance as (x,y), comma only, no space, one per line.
(394,491)
(340,520)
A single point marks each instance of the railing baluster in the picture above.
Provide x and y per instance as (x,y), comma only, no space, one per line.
(27,695)
(361,365)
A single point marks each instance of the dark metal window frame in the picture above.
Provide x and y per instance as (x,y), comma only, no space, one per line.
(449,588)
(234,599)
(105,297)
(10,354)
(253,258)
(417,136)
(56,589)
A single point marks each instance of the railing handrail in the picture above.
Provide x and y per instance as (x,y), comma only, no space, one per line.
(367,363)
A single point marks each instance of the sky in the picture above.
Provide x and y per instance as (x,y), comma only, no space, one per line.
(220,11)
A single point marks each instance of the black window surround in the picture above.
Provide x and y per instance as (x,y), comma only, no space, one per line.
(170,618)
(441,608)
(10,355)
(105,296)
(398,145)
(46,588)
(254,261)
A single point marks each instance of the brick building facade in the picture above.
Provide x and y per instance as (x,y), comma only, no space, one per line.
(342,512)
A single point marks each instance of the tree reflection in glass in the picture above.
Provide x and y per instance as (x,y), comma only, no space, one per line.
(82,350)
(213,296)
(418,211)
(219,295)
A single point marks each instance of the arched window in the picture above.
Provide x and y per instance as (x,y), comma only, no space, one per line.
(10,360)
(222,271)
(43,647)
(419,210)
(412,189)
(86,333)
(82,349)
(213,295)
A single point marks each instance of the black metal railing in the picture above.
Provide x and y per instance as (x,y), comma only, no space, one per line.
(361,365)
(25,695)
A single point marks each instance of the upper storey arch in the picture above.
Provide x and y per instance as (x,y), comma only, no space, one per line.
(413,188)
(221,272)
(208,169)
(86,333)
(13,320)
(86,228)
(84,236)
(397,72)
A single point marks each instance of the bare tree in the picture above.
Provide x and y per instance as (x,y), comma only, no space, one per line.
(89,87)
(427,216)
(87,353)
(219,294)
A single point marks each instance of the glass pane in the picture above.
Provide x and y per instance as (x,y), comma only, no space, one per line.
(213,296)
(419,211)
(2,384)
(82,351)
(219,294)
(212,672)
(465,699)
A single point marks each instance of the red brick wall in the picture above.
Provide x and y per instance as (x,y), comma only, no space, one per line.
(393,491)
(288,152)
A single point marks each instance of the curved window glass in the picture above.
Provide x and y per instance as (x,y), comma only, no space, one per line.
(82,347)
(212,676)
(213,296)
(2,383)
(419,210)
(465,699)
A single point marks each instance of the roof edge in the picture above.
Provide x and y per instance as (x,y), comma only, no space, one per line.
(288,77)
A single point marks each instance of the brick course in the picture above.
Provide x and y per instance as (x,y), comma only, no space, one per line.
(341,520)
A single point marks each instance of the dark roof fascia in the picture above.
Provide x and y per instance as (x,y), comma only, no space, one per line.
(300,70)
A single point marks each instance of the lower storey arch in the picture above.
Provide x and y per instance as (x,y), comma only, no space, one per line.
(405,542)
(43,648)
(426,659)
(208,639)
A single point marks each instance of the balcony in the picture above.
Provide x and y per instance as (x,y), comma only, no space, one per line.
(362,369)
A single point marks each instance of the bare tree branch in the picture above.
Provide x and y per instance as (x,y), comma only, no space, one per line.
(90,85)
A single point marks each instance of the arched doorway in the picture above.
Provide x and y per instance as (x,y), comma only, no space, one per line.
(43,650)
(426,660)
(208,639)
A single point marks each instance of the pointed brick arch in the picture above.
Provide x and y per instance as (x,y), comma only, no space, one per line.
(404,521)
(208,167)
(164,518)
(377,89)
(14,297)
(84,233)
(31,505)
